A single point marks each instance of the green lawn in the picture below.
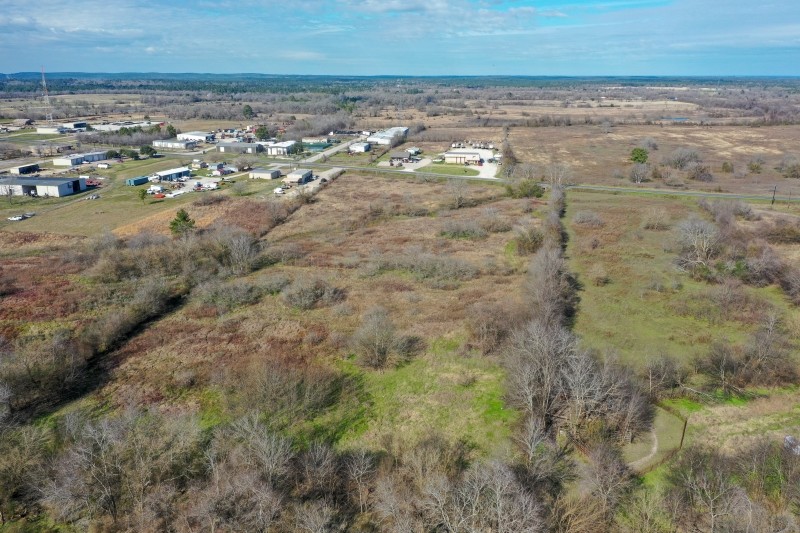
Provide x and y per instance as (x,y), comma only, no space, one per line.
(28,137)
(450,169)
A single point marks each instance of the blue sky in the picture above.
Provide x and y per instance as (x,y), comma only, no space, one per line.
(404,37)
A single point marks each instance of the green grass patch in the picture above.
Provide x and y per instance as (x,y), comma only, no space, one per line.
(458,397)
(449,169)
(212,410)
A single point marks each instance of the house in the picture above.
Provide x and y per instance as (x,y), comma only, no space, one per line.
(240,148)
(173,174)
(281,148)
(360,148)
(460,157)
(388,137)
(174,144)
(298,177)
(42,186)
(199,136)
(265,174)
(25,169)
(197,164)
(140,180)
(398,157)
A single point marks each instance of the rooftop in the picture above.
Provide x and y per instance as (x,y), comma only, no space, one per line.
(36,181)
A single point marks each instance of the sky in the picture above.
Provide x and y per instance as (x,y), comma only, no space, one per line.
(404,37)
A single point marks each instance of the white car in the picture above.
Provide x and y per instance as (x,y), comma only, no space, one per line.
(278,191)
(16,218)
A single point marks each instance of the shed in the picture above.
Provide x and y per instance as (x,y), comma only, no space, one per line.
(25,169)
(462,157)
(360,147)
(139,180)
(265,174)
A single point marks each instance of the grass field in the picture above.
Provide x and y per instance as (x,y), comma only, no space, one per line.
(647,306)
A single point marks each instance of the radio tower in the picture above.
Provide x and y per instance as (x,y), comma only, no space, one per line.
(47,106)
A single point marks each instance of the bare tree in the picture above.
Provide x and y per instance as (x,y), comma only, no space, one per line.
(558,174)
(360,468)
(699,240)
(640,173)
(457,189)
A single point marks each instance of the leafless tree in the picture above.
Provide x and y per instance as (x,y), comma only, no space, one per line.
(609,476)
(457,190)
(699,240)
(640,173)
(360,469)
(558,174)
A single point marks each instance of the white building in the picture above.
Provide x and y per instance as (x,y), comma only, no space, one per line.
(174,144)
(42,186)
(240,148)
(265,174)
(80,125)
(68,160)
(360,147)
(199,136)
(281,148)
(116,126)
(387,137)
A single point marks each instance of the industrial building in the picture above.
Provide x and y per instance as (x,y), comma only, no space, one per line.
(360,147)
(77,159)
(25,169)
(264,174)
(172,174)
(387,137)
(116,126)
(42,186)
(199,136)
(240,148)
(174,144)
(298,177)
(462,157)
(281,148)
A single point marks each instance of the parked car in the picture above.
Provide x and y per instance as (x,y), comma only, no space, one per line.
(16,218)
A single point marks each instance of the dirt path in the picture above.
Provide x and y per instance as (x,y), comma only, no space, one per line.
(640,463)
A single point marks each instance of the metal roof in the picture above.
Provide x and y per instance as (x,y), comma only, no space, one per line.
(37,181)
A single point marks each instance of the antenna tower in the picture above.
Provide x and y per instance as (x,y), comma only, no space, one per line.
(48,107)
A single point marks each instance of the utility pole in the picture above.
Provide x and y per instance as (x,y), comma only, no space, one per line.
(775,190)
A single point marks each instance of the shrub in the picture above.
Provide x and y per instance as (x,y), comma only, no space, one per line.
(598,275)
(307,293)
(210,199)
(526,188)
(463,229)
(681,157)
(274,283)
(639,155)
(528,238)
(756,164)
(648,143)
(656,219)
(727,167)
(588,218)
(698,172)
(228,296)
(374,340)
(492,222)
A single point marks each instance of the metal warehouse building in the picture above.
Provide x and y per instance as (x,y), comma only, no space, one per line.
(42,186)
(174,144)
(281,148)
(264,174)
(240,148)
(360,147)
(199,136)
(299,176)
(386,137)
(173,174)
(77,159)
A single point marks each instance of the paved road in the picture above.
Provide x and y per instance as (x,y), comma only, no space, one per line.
(329,152)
